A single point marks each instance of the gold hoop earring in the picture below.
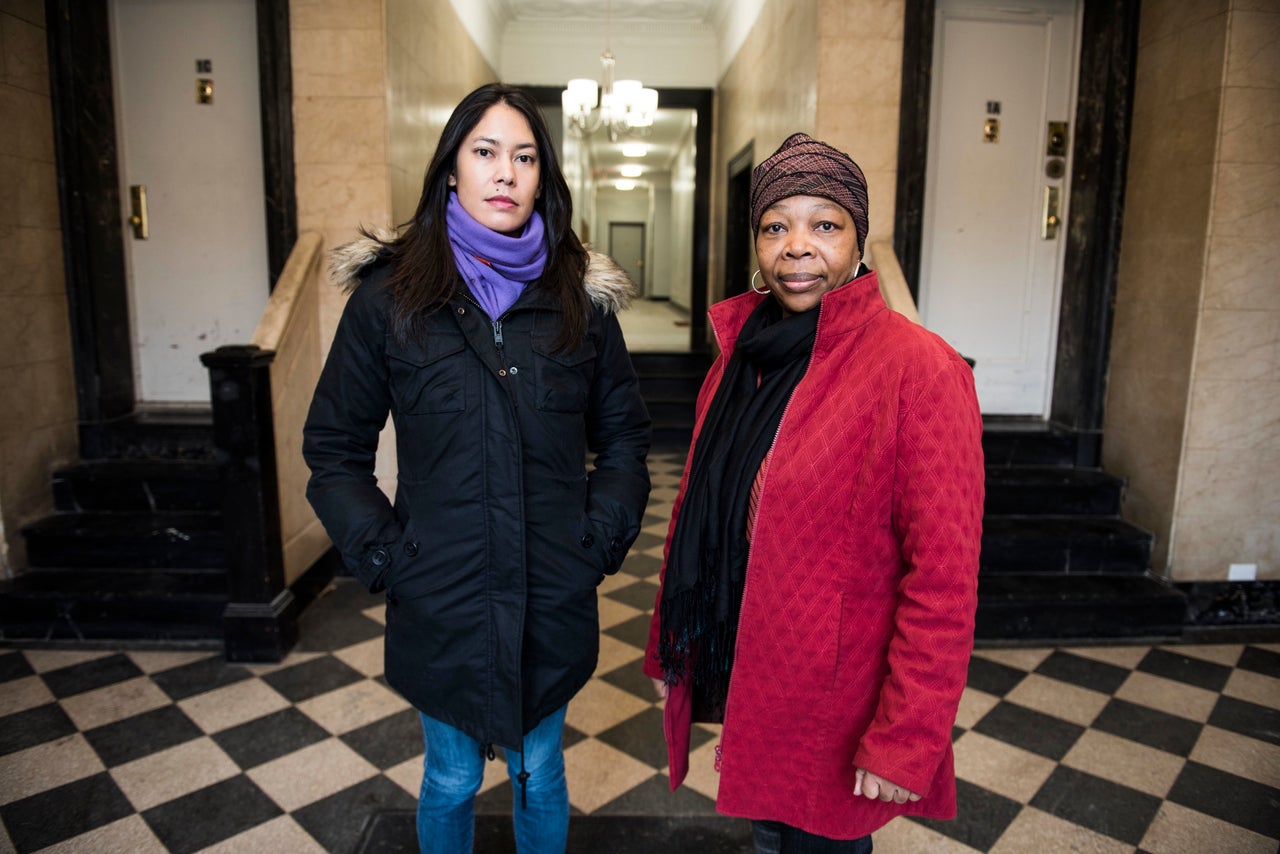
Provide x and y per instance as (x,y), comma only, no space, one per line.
(753,284)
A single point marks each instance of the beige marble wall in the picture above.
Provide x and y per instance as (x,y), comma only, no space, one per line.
(1228,505)
(373,83)
(1193,404)
(768,92)
(340,124)
(431,64)
(37,386)
(859,91)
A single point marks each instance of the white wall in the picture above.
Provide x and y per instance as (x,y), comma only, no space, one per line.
(681,222)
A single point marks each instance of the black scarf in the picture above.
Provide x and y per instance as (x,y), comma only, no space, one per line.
(706,567)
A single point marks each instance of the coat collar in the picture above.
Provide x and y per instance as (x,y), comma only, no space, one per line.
(843,310)
(607,284)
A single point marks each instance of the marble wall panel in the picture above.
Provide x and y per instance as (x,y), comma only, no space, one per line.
(37,388)
(768,92)
(1253,59)
(1242,274)
(1170,17)
(1229,496)
(1250,124)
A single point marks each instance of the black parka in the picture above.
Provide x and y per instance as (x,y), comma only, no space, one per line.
(498,535)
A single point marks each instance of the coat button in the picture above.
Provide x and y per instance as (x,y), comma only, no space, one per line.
(502,373)
(588,541)
(411,549)
(379,557)
(461,310)
(615,544)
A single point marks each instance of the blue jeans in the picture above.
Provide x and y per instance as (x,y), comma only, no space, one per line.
(774,837)
(452,772)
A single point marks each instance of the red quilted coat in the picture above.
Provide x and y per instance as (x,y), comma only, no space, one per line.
(857,619)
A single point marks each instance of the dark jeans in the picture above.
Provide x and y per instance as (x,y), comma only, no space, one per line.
(774,837)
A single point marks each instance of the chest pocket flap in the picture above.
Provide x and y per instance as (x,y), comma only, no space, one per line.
(564,378)
(429,376)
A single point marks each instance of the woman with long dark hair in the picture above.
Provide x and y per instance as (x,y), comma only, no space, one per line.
(489,335)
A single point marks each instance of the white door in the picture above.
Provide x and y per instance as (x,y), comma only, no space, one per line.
(990,274)
(201,279)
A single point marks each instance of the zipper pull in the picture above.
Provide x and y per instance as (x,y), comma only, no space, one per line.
(719,757)
(497,333)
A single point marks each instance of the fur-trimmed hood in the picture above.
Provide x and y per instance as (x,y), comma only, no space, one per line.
(607,284)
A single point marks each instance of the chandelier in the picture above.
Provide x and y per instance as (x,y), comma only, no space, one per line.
(625,107)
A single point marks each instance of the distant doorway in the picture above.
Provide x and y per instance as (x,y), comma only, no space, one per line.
(739,254)
(626,246)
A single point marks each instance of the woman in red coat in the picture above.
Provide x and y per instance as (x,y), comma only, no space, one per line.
(821,567)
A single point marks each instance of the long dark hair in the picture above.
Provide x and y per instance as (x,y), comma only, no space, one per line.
(424,275)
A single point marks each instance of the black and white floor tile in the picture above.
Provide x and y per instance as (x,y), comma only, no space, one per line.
(1098,749)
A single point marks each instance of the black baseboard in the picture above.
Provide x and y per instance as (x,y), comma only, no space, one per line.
(1232,611)
(266,631)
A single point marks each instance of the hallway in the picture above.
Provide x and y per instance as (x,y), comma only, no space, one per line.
(1098,749)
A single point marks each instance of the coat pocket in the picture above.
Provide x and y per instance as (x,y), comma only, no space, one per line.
(429,376)
(563,378)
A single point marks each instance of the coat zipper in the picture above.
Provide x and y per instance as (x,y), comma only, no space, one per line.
(751,544)
(498,341)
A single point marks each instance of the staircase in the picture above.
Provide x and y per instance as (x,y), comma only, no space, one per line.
(1058,562)
(669,383)
(135,550)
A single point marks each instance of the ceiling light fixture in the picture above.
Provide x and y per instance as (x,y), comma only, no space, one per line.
(630,170)
(634,149)
(625,106)
(624,184)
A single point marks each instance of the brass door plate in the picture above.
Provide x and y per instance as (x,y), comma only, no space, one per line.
(204,90)
(991,130)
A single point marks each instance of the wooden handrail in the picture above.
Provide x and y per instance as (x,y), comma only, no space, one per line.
(281,310)
(893,284)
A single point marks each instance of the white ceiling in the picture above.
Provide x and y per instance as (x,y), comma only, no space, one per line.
(623,11)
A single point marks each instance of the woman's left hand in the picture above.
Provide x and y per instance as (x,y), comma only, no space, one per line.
(873,786)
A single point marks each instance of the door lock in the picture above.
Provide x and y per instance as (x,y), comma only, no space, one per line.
(1049,225)
(138,211)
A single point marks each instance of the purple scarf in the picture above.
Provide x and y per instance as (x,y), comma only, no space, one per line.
(512,262)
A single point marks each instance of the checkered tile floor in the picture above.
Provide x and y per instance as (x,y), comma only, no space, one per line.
(1099,749)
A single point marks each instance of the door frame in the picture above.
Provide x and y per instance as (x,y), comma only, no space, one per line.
(1100,146)
(700,101)
(737,241)
(85,144)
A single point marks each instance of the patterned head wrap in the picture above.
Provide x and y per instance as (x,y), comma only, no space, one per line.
(803,166)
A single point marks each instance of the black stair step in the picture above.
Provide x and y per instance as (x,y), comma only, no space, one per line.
(1051,490)
(669,385)
(688,363)
(145,486)
(671,411)
(1021,442)
(670,436)
(1063,545)
(104,605)
(1074,607)
(126,540)
(175,434)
